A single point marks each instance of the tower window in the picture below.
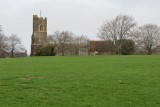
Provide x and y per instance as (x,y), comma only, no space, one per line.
(41,28)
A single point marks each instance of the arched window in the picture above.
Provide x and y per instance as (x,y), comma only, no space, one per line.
(41,27)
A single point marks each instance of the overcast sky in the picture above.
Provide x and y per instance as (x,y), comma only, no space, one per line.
(78,16)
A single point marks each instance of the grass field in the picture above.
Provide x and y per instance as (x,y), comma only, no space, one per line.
(88,81)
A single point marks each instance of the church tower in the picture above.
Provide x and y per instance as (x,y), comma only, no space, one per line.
(39,36)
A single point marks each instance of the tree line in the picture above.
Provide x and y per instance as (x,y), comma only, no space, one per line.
(122,31)
(122,34)
(123,28)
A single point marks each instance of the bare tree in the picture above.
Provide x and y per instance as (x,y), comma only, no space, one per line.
(80,44)
(117,29)
(62,40)
(3,44)
(15,45)
(69,43)
(81,39)
(147,37)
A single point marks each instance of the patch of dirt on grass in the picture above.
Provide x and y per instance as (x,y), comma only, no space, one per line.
(27,78)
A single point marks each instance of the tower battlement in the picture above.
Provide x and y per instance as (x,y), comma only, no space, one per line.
(39,24)
(35,17)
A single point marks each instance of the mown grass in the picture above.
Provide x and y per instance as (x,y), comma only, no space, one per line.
(88,81)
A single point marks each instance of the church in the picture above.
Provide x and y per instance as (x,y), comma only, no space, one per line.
(39,39)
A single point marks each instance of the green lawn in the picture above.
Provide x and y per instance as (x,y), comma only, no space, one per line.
(88,81)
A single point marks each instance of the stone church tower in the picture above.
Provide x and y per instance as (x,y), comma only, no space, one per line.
(39,36)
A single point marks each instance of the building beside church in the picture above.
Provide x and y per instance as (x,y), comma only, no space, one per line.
(39,36)
(101,47)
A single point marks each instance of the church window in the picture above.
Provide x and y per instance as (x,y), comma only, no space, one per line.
(41,28)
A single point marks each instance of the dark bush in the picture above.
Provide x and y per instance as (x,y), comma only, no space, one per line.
(47,50)
(126,46)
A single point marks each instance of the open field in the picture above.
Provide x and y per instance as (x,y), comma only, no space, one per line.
(88,81)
